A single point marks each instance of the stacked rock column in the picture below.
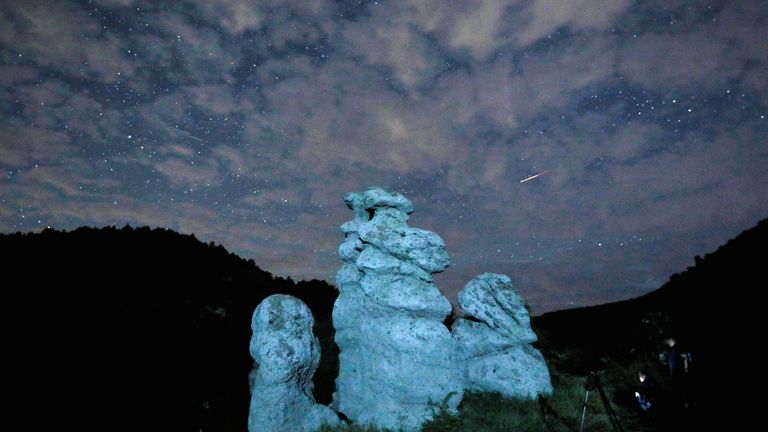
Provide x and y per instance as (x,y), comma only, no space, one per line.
(397,357)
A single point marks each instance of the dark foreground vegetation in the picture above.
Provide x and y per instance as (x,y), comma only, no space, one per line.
(118,329)
(138,329)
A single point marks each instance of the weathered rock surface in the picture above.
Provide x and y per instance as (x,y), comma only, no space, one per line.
(494,348)
(396,356)
(286,354)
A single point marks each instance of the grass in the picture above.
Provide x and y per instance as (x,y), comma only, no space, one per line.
(351,427)
(560,412)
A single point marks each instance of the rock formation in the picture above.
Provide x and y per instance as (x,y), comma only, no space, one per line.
(286,354)
(494,347)
(396,356)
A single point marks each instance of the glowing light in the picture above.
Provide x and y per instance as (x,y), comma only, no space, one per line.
(533,176)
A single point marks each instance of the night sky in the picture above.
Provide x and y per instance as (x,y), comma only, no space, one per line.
(246,122)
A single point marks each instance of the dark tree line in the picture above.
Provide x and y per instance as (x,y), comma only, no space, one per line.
(715,309)
(118,329)
(710,303)
(138,329)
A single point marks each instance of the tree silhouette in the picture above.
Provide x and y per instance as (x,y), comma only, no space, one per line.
(138,328)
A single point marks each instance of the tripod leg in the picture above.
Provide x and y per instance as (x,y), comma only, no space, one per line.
(584,411)
(609,410)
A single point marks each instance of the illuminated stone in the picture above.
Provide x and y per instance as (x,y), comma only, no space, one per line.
(494,348)
(286,354)
(397,356)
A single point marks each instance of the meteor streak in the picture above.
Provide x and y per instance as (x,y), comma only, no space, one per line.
(183,132)
(533,176)
(178,131)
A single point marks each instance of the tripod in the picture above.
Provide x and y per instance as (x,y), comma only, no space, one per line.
(593,382)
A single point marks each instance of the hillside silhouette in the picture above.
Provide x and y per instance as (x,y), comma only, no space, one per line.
(141,329)
(695,306)
(138,329)
(712,308)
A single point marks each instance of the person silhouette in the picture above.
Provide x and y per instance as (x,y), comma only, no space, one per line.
(679,362)
(646,392)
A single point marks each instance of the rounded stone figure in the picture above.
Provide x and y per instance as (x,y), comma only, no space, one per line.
(495,348)
(286,355)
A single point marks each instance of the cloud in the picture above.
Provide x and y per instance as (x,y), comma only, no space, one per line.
(68,40)
(234,16)
(280,197)
(106,61)
(232,159)
(478,27)
(195,54)
(61,179)
(15,74)
(711,55)
(413,134)
(113,3)
(101,209)
(25,144)
(546,16)
(674,61)
(450,103)
(706,182)
(335,120)
(395,43)
(215,99)
(57,107)
(185,173)
(409,36)
(47,38)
